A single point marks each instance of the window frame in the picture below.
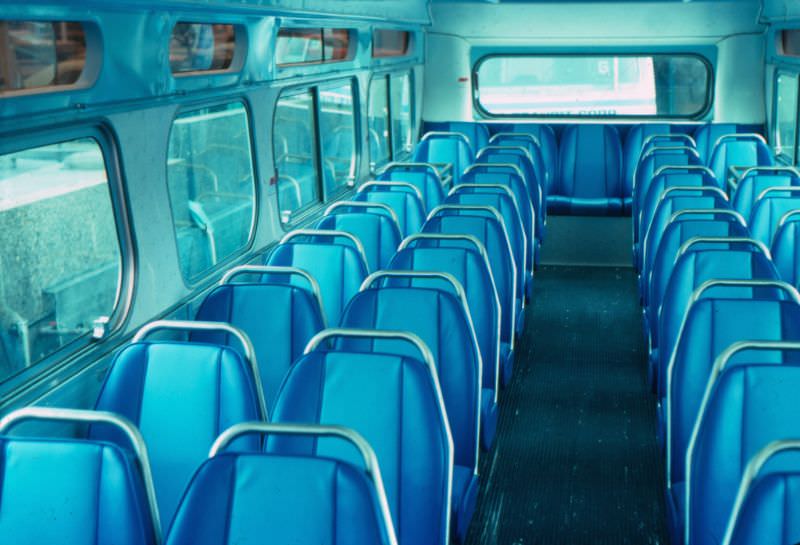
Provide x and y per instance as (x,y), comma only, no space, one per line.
(203,276)
(785,71)
(60,363)
(300,215)
(702,113)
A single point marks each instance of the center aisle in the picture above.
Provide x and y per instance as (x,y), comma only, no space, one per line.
(576,459)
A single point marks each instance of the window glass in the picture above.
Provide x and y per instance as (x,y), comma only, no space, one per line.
(786,115)
(211,185)
(294,143)
(400,86)
(337,127)
(594,85)
(198,47)
(40,54)
(312,45)
(390,43)
(790,42)
(378,120)
(60,259)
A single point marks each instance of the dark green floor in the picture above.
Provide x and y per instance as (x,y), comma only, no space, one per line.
(576,459)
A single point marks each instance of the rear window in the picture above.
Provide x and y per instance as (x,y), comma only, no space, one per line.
(36,54)
(594,85)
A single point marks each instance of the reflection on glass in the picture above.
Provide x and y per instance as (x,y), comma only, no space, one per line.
(60,257)
(40,54)
(390,43)
(786,115)
(312,45)
(400,87)
(294,147)
(211,185)
(337,127)
(378,121)
(656,85)
(197,47)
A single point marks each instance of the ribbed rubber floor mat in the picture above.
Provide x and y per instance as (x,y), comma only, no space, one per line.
(576,459)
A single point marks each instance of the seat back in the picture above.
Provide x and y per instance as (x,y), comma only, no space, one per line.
(441,148)
(534,148)
(705,136)
(241,497)
(458,256)
(476,133)
(181,396)
(590,159)
(710,327)
(652,162)
(739,150)
(769,209)
(423,176)
(547,138)
(403,198)
(338,269)
(519,157)
(395,403)
(664,178)
(278,318)
(786,248)
(378,233)
(632,150)
(757,180)
(394,303)
(767,507)
(502,199)
(699,260)
(76,491)
(751,406)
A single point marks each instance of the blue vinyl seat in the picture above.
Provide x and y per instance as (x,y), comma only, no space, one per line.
(502,199)
(339,269)
(750,402)
(711,326)
(769,210)
(589,178)
(511,177)
(379,233)
(423,176)
(546,136)
(739,150)
(393,301)
(518,156)
(311,497)
(403,198)
(486,225)
(395,403)
(534,148)
(468,265)
(698,261)
(706,136)
(440,148)
(672,201)
(279,318)
(476,133)
(757,180)
(652,162)
(632,149)
(767,508)
(181,396)
(75,491)
(667,177)
(786,248)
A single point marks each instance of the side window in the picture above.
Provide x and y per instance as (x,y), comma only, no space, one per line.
(60,261)
(378,121)
(294,148)
(786,115)
(337,127)
(211,185)
(400,87)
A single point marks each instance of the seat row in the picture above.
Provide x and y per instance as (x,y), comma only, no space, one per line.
(588,171)
(722,326)
(308,384)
